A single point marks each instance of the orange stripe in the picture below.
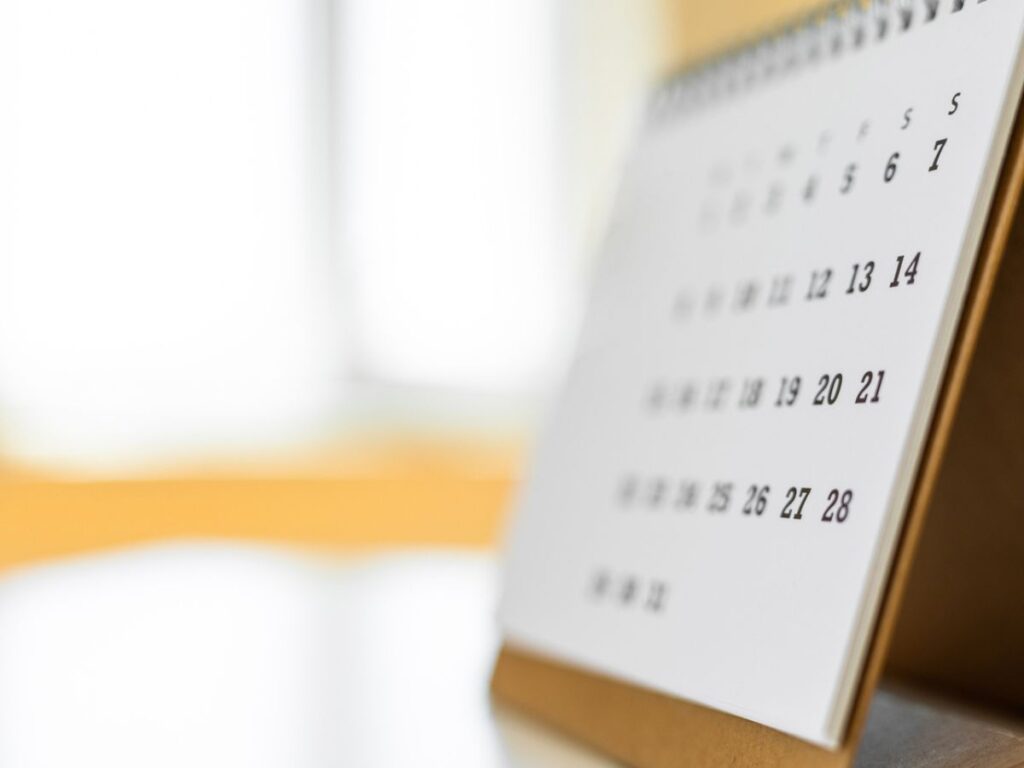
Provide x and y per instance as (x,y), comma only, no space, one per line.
(454,500)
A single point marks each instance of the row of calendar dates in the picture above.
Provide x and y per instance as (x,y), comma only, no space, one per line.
(746,203)
(627,589)
(785,289)
(793,502)
(887,169)
(750,393)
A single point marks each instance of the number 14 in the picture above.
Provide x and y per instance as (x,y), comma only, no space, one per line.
(906,273)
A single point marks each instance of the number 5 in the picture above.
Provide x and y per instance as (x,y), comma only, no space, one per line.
(848,176)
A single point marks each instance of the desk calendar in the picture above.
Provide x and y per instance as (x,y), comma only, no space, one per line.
(715,508)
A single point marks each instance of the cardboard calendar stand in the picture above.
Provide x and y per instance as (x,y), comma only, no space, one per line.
(952,619)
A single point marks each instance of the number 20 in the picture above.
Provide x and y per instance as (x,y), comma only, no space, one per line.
(829,388)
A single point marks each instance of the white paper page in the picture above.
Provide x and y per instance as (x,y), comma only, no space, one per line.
(664,536)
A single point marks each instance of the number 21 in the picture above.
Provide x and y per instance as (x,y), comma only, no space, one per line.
(867,380)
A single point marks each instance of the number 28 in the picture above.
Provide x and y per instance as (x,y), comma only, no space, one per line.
(838,509)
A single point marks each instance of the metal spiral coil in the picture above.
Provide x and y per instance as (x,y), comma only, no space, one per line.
(836,30)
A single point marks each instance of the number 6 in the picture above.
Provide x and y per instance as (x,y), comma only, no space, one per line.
(890,167)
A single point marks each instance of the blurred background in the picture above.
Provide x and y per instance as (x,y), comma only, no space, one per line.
(241,229)
(287,283)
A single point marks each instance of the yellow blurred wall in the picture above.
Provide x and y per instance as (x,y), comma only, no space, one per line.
(696,28)
(360,497)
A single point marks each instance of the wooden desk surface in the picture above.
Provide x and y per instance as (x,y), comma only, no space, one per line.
(203,655)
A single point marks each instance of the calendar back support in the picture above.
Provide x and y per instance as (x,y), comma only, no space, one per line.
(961,628)
(951,608)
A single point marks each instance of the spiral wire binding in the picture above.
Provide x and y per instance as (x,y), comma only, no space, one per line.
(839,28)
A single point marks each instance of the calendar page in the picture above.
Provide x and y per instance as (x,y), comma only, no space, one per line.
(713,507)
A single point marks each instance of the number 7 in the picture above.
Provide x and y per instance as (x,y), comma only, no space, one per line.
(939,146)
